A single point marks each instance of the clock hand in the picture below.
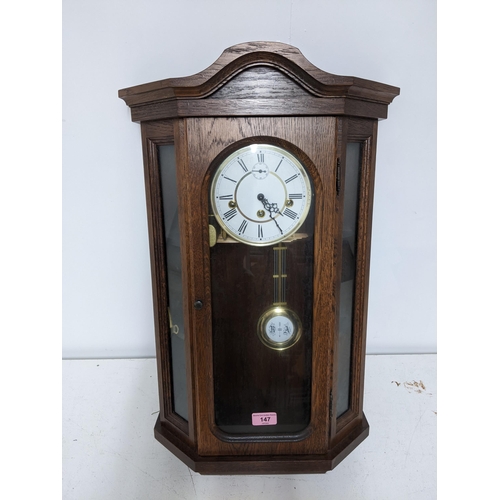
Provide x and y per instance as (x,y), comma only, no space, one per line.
(271,208)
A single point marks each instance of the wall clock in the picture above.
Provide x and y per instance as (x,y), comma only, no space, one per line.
(259,175)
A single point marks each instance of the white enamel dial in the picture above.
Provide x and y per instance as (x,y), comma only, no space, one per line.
(261,194)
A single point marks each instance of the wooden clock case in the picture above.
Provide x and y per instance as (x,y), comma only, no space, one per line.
(266,91)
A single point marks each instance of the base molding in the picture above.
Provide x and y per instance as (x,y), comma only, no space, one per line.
(252,464)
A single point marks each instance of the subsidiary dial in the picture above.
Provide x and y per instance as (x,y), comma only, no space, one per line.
(260,170)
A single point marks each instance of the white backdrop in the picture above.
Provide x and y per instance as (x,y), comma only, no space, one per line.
(111,44)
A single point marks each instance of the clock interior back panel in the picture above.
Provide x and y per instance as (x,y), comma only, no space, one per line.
(249,377)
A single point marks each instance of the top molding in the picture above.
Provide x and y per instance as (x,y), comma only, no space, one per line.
(147,99)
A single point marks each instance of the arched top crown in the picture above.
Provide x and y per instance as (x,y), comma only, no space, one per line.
(280,62)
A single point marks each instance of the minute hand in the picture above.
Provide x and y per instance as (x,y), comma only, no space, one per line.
(271,208)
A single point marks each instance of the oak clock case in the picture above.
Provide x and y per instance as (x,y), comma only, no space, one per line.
(259,175)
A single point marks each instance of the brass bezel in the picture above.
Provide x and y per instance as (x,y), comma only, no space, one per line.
(279,311)
(293,159)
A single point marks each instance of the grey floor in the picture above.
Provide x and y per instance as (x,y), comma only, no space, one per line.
(109,452)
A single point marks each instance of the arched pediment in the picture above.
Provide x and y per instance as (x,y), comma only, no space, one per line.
(258,71)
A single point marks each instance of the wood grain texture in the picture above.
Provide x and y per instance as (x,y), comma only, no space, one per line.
(363,267)
(248,464)
(158,257)
(340,139)
(215,138)
(364,132)
(154,135)
(307,106)
(279,55)
(270,93)
(319,142)
(315,92)
(243,381)
(261,82)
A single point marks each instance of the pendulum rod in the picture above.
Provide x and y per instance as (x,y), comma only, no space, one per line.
(279,275)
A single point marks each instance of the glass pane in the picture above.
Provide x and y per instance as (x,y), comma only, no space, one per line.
(174,276)
(349,235)
(262,369)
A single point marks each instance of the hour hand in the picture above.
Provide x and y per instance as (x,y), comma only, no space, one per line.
(271,208)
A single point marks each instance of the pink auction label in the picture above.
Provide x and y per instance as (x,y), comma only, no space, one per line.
(264,419)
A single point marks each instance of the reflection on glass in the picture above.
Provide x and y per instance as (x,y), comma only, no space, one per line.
(174,276)
(349,234)
(260,387)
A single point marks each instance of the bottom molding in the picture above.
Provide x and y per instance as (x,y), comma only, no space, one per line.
(252,464)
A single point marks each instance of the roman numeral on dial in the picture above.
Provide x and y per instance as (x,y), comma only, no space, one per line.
(260,157)
(290,179)
(297,196)
(230,214)
(260,231)
(290,213)
(242,165)
(226,197)
(242,227)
